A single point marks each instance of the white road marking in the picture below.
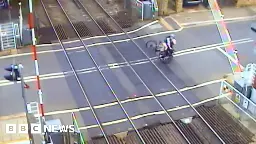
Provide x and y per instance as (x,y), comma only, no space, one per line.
(197,11)
(173,31)
(156,113)
(95,37)
(134,99)
(147,25)
(229,57)
(177,22)
(118,65)
(228,20)
(91,45)
(136,30)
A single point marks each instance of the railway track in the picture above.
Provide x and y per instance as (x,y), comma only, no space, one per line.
(183,130)
(77,77)
(229,129)
(60,25)
(137,75)
(158,69)
(86,28)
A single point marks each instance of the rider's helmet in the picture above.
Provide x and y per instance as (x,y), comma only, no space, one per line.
(172,36)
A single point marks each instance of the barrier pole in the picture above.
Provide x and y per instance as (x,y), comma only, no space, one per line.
(34,54)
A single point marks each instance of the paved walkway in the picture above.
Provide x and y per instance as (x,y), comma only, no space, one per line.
(206,15)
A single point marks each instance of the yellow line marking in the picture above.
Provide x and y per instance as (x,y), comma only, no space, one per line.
(210,22)
(147,25)
(91,45)
(103,43)
(178,23)
(165,24)
(196,11)
(17,141)
(114,65)
(133,99)
(117,65)
(15,116)
(155,113)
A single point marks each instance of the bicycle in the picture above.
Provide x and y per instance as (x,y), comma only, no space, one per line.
(153,44)
(159,49)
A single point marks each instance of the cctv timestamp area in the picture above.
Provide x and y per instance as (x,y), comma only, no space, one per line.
(37,128)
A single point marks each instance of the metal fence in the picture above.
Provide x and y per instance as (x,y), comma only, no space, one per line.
(7,36)
(239,106)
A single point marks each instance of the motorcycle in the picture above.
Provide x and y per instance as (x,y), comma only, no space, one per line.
(163,56)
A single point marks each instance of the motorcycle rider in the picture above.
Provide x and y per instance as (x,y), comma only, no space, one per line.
(169,42)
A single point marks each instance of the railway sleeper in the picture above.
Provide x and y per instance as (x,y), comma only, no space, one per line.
(177,137)
(228,134)
(187,130)
(217,124)
(234,122)
(105,26)
(202,131)
(124,19)
(115,140)
(165,134)
(229,125)
(124,22)
(131,138)
(82,29)
(46,35)
(238,128)
(161,133)
(61,32)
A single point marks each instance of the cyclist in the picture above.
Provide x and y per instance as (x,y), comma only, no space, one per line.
(168,44)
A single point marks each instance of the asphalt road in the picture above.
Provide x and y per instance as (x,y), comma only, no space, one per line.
(187,38)
(186,70)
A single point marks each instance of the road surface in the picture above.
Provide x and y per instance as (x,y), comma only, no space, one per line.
(189,68)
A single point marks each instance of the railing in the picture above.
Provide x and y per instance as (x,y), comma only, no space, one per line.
(75,123)
(1,38)
(14,37)
(239,106)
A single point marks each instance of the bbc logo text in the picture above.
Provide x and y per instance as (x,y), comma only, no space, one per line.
(37,129)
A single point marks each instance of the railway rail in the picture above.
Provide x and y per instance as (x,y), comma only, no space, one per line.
(86,28)
(231,131)
(151,92)
(80,32)
(77,77)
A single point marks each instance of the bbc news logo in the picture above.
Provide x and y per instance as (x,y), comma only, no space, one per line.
(37,129)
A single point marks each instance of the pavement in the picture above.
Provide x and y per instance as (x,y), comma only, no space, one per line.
(203,16)
(197,60)
(4,138)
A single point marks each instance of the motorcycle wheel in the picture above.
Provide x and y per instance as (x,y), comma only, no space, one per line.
(152,44)
(165,59)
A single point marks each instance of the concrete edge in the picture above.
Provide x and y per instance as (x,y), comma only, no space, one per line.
(165,24)
(229,78)
(16,141)
(12,116)
(9,52)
